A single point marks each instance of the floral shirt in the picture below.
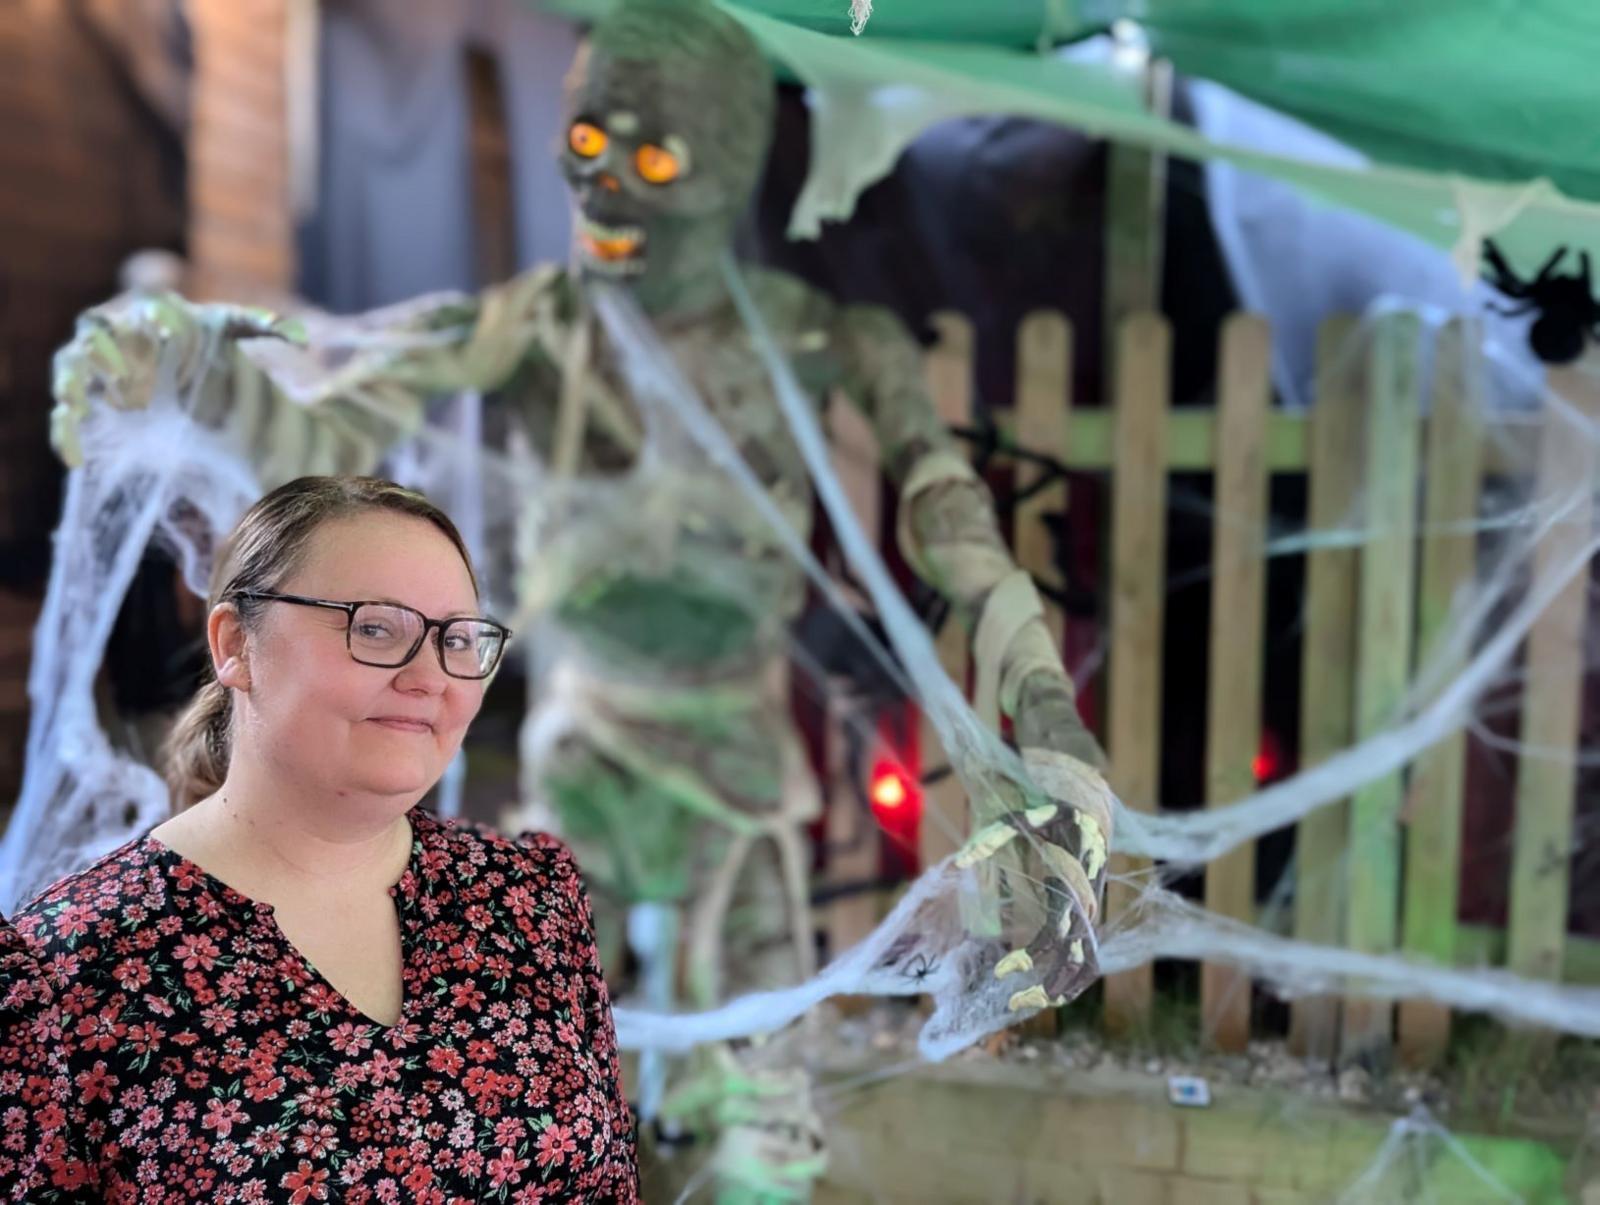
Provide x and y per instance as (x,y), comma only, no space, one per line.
(161,1041)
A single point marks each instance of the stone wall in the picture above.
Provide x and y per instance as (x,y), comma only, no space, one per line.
(982,1130)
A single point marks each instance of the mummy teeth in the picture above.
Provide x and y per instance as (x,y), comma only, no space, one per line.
(615,250)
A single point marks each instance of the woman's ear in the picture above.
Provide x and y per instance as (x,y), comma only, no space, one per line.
(229,647)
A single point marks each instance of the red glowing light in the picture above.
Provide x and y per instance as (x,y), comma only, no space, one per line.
(888,789)
(1267,764)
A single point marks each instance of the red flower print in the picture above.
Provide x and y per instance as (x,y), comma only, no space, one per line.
(555,1144)
(350,1039)
(131,974)
(479,1081)
(100,1032)
(196,951)
(466,995)
(418,1178)
(211,1063)
(446,1060)
(306,1183)
(96,1084)
(222,1116)
(74,920)
(506,1168)
(314,1140)
(219,1018)
(383,1069)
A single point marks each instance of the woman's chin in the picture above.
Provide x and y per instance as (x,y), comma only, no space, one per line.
(395,781)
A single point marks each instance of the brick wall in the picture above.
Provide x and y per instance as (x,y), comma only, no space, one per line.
(88,174)
(241,233)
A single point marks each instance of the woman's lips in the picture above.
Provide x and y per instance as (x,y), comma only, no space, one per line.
(402,725)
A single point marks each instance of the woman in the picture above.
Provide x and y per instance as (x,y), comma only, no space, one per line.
(303,987)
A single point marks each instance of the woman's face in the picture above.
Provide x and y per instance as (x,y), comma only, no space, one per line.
(319,717)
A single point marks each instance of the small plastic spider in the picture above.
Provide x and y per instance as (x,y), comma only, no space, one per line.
(1568,311)
(919,968)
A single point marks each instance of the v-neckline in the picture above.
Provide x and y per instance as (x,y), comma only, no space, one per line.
(401,892)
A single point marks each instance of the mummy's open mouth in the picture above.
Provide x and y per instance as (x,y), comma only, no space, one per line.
(612,248)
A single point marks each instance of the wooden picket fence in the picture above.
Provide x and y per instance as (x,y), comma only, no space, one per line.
(1371,611)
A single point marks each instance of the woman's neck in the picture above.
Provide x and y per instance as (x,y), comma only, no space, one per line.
(284,840)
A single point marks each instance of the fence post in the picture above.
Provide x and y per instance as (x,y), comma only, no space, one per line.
(1552,699)
(1233,678)
(1044,409)
(945,812)
(1385,606)
(1327,678)
(1449,557)
(852,832)
(1138,591)
(1136,220)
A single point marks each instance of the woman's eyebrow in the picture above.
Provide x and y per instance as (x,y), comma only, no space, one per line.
(447,615)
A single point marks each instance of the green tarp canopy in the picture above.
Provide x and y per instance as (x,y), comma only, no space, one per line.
(1479,116)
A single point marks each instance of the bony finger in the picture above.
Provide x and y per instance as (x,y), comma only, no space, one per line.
(1039,816)
(104,345)
(69,377)
(64,436)
(291,330)
(985,843)
(1092,840)
(1033,997)
(1012,963)
(168,315)
(1065,867)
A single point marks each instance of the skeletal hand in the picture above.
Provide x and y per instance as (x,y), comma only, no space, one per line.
(117,349)
(1057,877)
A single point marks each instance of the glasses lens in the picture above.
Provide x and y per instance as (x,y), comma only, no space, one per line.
(471,647)
(383,635)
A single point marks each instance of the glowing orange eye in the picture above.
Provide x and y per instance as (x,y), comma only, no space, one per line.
(586,140)
(657,165)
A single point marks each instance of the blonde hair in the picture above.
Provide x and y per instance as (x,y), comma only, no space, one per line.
(265,548)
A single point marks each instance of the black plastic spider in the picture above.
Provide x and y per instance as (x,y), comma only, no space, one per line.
(919,968)
(1568,311)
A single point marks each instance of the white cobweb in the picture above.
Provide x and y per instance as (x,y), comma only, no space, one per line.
(158,473)
(1421,1162)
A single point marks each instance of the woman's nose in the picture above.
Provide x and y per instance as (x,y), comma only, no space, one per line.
(423,674)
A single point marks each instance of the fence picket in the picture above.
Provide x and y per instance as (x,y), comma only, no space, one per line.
(1138,595)
(944,809)
(1552,699)
(1238,605)
(1385,601)
(1327,679)
(1434,800)
(1043,414)
(853,836)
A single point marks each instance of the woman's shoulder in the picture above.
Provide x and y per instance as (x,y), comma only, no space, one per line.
(73,915)
(466,849)
(23,983)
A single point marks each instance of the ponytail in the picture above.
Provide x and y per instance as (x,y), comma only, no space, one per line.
(198,746)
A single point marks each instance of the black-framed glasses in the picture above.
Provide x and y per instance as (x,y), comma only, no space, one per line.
(387,635)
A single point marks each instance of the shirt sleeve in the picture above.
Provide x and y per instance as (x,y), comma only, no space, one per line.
(621,1178)
(42,1157)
